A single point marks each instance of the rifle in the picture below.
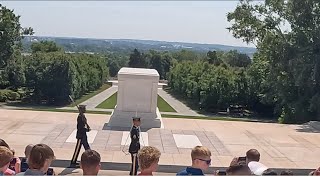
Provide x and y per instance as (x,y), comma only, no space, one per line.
(84,120)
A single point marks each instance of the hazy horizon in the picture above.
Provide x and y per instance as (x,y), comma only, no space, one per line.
(201,22)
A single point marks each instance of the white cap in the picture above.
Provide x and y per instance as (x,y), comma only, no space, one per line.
(257,168)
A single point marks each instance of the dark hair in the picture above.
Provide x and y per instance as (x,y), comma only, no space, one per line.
(237,167)
(286,173)
(269,172)
(38,156)
(90,159)
(3,143)
(253,155)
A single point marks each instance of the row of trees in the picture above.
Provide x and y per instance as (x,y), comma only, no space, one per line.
(162,61)
(213,87)
(286,33)
(153,59)
(284,75)
(47,75)
(51,77)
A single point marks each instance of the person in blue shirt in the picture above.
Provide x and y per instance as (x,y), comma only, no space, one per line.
(39,160)
(201,160)
(24,161)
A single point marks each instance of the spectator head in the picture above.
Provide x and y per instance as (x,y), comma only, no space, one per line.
(90,162)
(40,157)
(269,172)
(257,168)
(6,156)
(286,173)
(253,155)
(201,157)
(27,150)
(148,158)
(136,121)
(316,172)
(82,108)
(239,169)
(3,143)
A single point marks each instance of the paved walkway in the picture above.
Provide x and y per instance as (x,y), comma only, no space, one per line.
(177,105)
(78,172)
(181,108)
(111,110)
(99,98)
(281,146)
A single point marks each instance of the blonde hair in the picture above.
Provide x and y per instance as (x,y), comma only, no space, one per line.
(147,156)
(200,152)
(6,156)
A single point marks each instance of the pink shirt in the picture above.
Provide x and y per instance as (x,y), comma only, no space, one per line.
(9,172)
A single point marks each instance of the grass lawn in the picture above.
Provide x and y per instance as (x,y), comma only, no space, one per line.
(62,110)
(164,106)
(112,101)
(163,115)
(109,103)
(90,95)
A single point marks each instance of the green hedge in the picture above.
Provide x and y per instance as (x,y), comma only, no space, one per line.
(210,87)
(51,77)
(7,94)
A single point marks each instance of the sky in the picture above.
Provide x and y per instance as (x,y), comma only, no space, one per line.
(174,21)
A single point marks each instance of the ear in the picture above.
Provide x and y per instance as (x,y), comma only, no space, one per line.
(156,165)
(98,167)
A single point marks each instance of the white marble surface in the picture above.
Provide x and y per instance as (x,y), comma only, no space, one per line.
(91,135)
(186,141)
(137,96)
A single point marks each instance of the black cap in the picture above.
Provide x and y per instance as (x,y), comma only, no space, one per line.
(136,118)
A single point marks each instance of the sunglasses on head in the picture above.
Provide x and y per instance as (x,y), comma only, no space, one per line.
(207,161)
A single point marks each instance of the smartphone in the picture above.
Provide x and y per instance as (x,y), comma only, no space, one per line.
(242,159)
(222,173)
(12,164)
(50,172)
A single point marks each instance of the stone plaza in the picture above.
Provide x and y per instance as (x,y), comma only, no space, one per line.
(281,146)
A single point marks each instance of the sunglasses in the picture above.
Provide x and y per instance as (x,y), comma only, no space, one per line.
(207,161)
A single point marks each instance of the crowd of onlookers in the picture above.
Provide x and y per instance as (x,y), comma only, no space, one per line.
(38,159)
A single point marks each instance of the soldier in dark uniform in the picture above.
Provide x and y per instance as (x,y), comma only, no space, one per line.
(82,129)
(134,145)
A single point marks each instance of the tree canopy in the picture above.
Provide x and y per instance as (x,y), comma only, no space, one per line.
(286,33)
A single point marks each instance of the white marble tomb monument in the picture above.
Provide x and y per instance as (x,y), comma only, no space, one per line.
(137,96)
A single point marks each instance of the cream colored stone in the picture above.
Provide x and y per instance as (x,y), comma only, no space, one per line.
(137,96)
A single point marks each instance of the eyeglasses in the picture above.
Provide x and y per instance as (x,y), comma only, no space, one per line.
(207,161)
